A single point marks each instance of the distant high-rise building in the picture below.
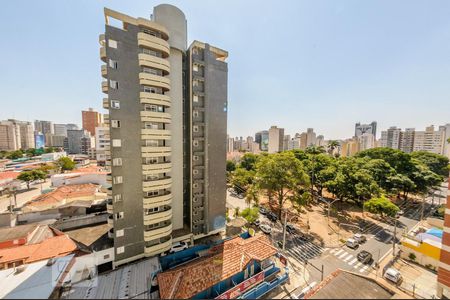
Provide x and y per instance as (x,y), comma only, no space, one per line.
(429,140)
(9,136)
(44,127)
(391,138)
(78,142)
(286,140)
(446,129)
(349,147)
(230,144)
(168,119)
(264,144)
(407,140)
(303,140)
(320,141)
(91,119)
(276,137)
(366,141)
(54,140)
(310,137)
(26,133)
(360,129)
(102,144)
(60,129)
(72,127)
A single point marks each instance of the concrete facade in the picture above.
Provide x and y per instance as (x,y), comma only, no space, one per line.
(91,119)
(276,138)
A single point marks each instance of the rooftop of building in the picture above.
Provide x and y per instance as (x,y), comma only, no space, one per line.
(342,285)
(14,233)
(130,281)
(36,280)
(51,246)
(62,194)
(220,262)
(8,175)
(88,169)
(94,237)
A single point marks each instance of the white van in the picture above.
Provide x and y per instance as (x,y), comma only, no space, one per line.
(352,243)
(393,275)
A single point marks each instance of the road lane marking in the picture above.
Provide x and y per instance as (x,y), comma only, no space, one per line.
(333,250)
(363,269)
(352,262)
(343,255)
(337,253)
(357,265)
(348,258)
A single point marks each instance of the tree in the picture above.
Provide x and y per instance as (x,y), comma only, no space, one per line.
(423,178)
(250,214)
(401,183)
(332,145)
(382,206)
(231,166)
(49,150)
(321,168)
(39,174)
(248,161)
(241,179)
(281,174)
(65,164)
(15,154)
(435,162)
(27,177)
(397,159)
(252,195)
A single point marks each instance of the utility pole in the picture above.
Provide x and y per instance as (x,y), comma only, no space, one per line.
(395,237)
(423,207)
(284,230)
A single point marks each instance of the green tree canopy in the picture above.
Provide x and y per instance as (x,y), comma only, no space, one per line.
(241,179)
(382,206)
(250,214)
(435,162)
(15,154)
(65,164)
(27,177)
(283,175)
(248,161)
(231,166)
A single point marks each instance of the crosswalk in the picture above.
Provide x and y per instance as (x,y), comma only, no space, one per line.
(349,259)
(304,250)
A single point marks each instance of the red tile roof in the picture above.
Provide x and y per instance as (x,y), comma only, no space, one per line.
(64,192)
(225,260)
(89,169)
(56,246)
(9,175)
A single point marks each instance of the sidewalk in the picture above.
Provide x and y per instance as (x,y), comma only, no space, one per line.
(298,278)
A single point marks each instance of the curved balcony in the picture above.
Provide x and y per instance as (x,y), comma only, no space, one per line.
(109,206)
(103,53)
(165,181)
(108,177)
(152,116)
(105,103)
(155,134)
(156,151)
(148,60)
(101,39)
(151,202)
(158,217)
(153,98)
(109,192)
(153,42)
(154,80)
(154,26)
(105,87)
(158,248)
(104,70)
(157,233)
(163,167)
(111,233)
(111,220)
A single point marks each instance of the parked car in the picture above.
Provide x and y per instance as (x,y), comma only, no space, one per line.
(272,216)
(265,228)
(290,229)
(256,222)
(364,257)
(393,275)
(351,243)
(400,212)
(262,210)
(360,238)
(177,247)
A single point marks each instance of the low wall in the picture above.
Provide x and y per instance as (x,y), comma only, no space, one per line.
(82,221)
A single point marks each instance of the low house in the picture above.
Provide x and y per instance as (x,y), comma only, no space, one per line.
(423,246)
(91,174)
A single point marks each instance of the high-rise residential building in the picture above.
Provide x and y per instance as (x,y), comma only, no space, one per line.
(90,120)
(429,140)
(303,140)
(78,142)
(258,137)
(171,140)
(443,278)
(60,129)
(320,141)
(264,144)
(26,133)
(102,144)
(44,127)
(446,128)
(286,140)
(230,144)
(310,137)
(360,129)
(54,140)
(366,141)
(9,136)
(349,147)
(276,137)
(407,140)
(295,143)
(391,138)
(72,127)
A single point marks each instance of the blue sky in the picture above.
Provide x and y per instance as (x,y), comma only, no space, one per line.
(295,64)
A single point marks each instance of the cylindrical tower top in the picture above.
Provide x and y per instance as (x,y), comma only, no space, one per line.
(175,21)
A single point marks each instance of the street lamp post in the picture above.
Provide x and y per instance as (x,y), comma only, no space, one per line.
(395,237)
(329,209)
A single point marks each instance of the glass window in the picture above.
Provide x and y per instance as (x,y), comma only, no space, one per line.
(119,233)
(117,161)
(113,84)
(112,64)
(115,104)
(117,197)
(120,250)
(112,43)
(115,123)
(116,143)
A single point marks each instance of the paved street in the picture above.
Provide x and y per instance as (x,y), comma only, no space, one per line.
(23,197)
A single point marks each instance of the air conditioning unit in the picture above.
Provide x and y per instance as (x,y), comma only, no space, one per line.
(50,262)
(20,269)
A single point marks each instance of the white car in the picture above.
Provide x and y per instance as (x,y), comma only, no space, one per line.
(178,246)
(351,243)
(393,275)
(265,228)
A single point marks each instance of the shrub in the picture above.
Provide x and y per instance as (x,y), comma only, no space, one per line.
(412,256)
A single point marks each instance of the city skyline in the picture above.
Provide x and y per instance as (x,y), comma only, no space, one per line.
(338,77)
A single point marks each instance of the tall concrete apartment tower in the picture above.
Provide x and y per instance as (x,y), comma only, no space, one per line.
(167,118)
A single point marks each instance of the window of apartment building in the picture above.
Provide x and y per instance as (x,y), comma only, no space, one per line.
(195,171)
(151,210)
(151,177)
(117,197)
(120,250)
(195,157)
(194,51)
(113,84)
(120,215)
(117,179)
(195,143)
(152,89)
(195,113)
(112,43)
(195,67)
(150,32)
(115,104)
(195,185)
(152,193)
(151,143)
(150,125)
(112,64)
(154,108)
(120,233)
(195,83)
(117,162)
(116,143)
(115,123)
(195,98)
(195,128)
(151,71)
(151,160)
(151,52)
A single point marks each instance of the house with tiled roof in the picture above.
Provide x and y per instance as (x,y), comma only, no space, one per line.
(230,269)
